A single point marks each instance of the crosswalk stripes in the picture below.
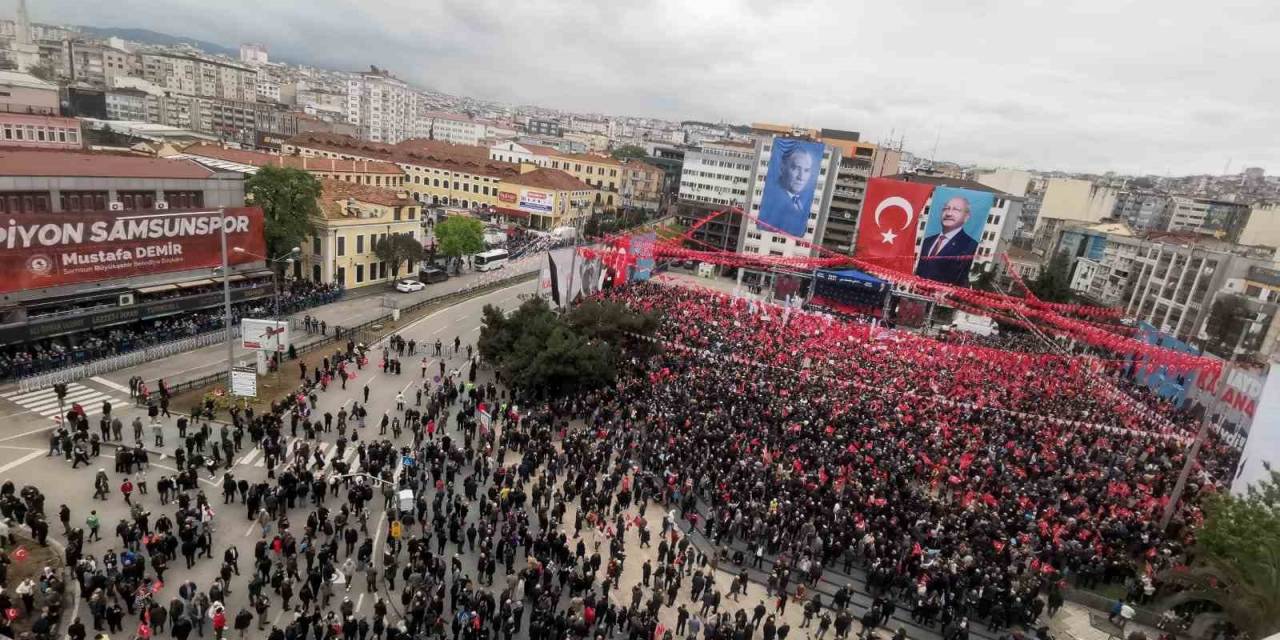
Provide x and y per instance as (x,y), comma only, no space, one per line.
(45,401)
(257,457)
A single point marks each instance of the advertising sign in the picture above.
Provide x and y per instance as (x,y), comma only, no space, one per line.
(39,250)
(506,196)
(1262,450)
(887,225)
(244,382)
(789,186)
(264,335)
(956,218)
(536,201)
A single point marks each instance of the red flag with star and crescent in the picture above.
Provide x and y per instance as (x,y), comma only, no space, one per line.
(887,226)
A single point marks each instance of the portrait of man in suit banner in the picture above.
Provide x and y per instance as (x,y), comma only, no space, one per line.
(956,219)
(789,185)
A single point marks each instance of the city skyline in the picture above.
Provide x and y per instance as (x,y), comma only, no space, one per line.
(1111,89)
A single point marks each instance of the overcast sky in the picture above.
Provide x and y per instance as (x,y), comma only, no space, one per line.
(1166,86)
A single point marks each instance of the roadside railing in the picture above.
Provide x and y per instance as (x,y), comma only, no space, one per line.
(120,361)
(370,328)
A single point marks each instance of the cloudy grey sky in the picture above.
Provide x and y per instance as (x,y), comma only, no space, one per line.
(1133,86)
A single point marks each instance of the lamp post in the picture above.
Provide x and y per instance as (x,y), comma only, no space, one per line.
(286,258)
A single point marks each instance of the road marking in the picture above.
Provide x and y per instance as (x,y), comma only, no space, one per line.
(23,460)
(359,600)
(406,387)
(110,385)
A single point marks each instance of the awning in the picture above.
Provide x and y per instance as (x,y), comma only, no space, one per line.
(852,277)
(194,283)
(158,288)
(510,213)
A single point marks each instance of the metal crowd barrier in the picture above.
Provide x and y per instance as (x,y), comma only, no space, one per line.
(121,361)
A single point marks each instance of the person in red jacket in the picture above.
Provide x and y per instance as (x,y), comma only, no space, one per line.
(126,488)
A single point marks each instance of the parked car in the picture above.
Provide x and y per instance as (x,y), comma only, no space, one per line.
(407,286)
(432,275)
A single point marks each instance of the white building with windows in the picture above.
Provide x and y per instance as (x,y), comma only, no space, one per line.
(383,108)
(717,173)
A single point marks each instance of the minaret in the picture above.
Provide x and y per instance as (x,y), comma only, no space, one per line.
(24,24)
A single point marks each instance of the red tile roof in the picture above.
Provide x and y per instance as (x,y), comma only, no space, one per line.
(553,179)
(423,153)
(39,163)
(334,190)
(324,165)
(588,157)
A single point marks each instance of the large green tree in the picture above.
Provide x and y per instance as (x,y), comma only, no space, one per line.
(1237,559)
(628,151)
(539,353)
(290,204)
(458,236)
(1054,282)
(396,249)
(611,322)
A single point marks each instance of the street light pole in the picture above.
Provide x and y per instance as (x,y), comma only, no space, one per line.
(226,302)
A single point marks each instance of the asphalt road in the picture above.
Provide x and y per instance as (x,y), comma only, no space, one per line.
(23,458)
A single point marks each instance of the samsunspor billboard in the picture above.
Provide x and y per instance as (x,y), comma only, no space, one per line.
(40,250)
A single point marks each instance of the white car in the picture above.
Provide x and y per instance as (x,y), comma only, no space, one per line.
(407,286)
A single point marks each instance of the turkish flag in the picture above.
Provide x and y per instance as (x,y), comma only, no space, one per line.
(887,226)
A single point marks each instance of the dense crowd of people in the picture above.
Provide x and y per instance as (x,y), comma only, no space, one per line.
(903,470)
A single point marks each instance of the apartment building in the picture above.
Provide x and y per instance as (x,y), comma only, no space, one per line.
(855,168)
(1178,275)
(197,75)
(1143,210)
(1000,226)
(384,108)
(643,186)
(1226,220)
(1103,257)
(96,63)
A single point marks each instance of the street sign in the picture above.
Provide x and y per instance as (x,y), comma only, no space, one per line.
(407,461)
(396,529)
(244,382)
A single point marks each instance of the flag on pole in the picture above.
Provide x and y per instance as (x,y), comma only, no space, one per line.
(555,280)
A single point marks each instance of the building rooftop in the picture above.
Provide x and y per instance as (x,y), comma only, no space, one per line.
(334,191)
(426,153)
(258,159)
(944,181)
(40,163)
(551,179)
(18,79)
(588,157)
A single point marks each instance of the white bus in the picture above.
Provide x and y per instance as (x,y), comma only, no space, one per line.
(490,260)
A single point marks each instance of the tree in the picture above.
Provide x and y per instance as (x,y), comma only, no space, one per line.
(985,280)
(458,236)
(1237,559)
(1228,319)
(540,354)
(628,152)
(1054,282)
(611,322)
(398,248)
(45,71)
(290,204)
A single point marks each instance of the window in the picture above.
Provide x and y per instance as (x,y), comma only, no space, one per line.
(28,202)
(436,182)
(412,213)
(315,245)
(396,214)
(359,273)
(342,247)
(184,199)
(359,244)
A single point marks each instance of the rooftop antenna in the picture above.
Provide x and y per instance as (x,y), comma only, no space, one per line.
(933,157)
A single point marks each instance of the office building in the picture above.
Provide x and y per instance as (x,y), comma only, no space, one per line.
(715,177)
(543,127)
(602,173)
(1226,220)
(1000,226)
(642,186)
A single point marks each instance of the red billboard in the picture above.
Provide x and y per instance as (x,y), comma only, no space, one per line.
(40,250)
(888,223)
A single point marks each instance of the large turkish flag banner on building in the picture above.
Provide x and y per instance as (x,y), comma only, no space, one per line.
(39,250)
(887,225)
